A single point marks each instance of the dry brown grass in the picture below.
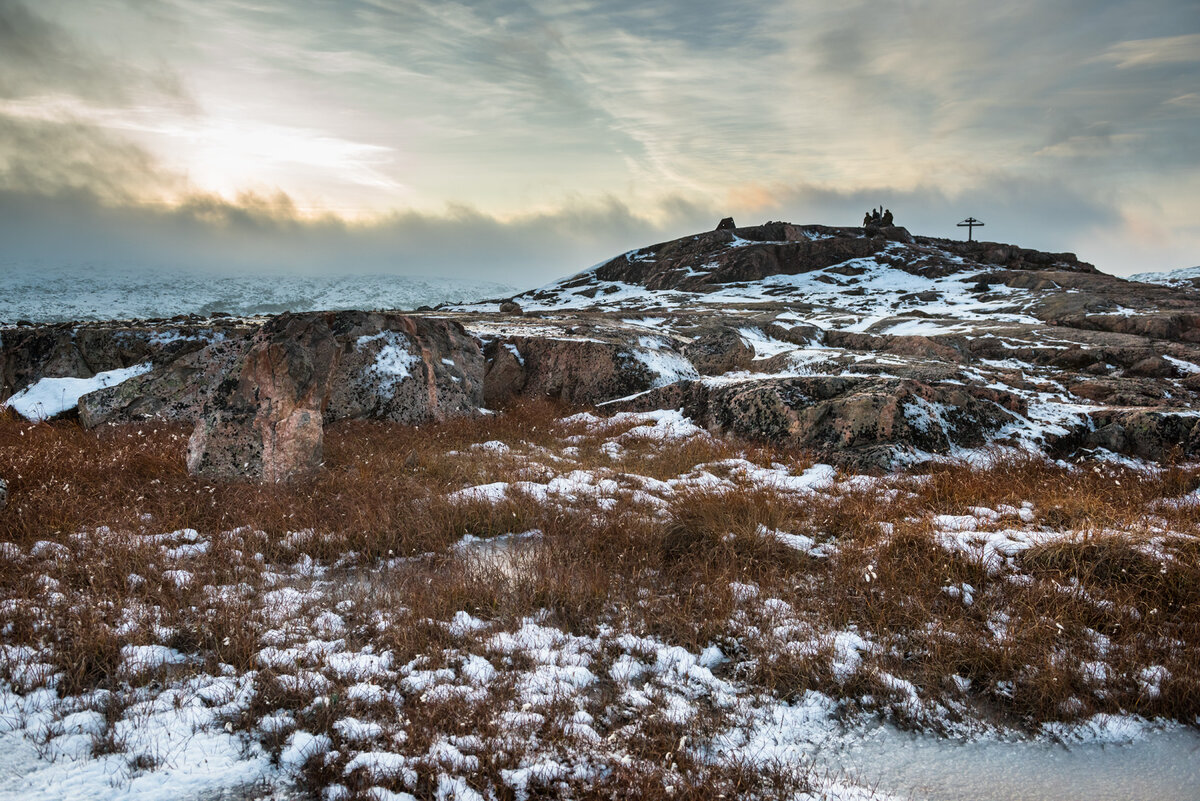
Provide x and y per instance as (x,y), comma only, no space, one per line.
(1097,495)
(1111,589)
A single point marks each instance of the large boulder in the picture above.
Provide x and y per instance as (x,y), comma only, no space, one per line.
(172,391)
(265,418)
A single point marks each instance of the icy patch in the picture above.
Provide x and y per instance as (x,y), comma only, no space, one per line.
(1189,368)
(923,766)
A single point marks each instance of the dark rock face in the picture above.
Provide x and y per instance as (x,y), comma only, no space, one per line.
(1015,258)
(264,417)
(403,369)
(726,224)
(1149,434)
(854,421)
(717,350)
(579,371)
(173,390)
(727,255)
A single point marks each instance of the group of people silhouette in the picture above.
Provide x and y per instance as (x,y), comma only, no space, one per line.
(879,216)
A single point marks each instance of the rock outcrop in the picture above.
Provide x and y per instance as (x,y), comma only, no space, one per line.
(29,353)
(717,350)
(3,493)
(1145,433)
(731,255)
(264,416)
(867,346)
(579,370)
(855,421)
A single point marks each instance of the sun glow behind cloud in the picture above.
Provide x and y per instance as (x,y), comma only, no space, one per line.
(228,155)
(371,111)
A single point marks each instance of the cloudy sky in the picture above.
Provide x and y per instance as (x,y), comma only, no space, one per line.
(520,140)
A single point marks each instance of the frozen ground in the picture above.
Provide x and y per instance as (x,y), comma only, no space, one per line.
(109,293)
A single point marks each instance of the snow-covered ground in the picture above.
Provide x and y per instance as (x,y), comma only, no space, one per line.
(110,293)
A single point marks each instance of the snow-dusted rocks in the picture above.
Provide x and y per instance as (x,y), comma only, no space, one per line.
(582,367)
(1007,346)
(716,350)
(1187,277)
(30,353)
(265,418)
(858,421)
(50,397)
(3,493)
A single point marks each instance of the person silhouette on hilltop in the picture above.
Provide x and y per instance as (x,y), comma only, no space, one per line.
(887,216)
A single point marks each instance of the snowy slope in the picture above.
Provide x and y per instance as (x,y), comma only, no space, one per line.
(864,294)
(1186,276)
(85,293)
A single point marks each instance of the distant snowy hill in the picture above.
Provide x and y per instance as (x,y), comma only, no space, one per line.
(82,293)
(1189,276)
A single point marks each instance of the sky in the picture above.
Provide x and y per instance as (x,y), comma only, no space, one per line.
(522,140)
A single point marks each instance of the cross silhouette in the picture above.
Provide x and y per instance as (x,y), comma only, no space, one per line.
(970,224)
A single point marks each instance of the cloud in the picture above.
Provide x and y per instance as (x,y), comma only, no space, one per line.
(267,232)
(39,157)
(41,56)
(536,137)
(1183,49)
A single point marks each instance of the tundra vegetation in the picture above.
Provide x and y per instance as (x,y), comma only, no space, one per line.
(548,602)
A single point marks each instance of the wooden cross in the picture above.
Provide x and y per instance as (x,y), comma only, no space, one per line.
(970,224)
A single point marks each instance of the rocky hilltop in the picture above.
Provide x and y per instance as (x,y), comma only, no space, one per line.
(869,345)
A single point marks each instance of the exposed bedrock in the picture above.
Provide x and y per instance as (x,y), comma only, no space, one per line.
(719,349)
(579,371)
(763,250)
(852,420)
(264,417)
(860,344)
(29,353)
(1145,433)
